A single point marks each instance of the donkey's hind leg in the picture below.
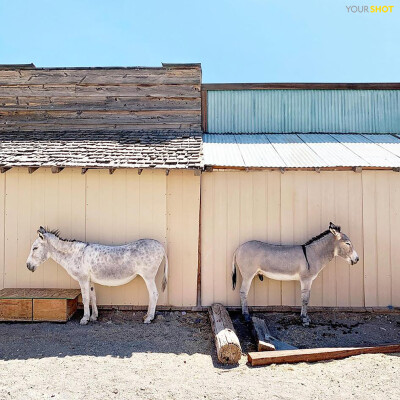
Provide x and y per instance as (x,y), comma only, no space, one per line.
(95,312)
(244,291)
(153,297)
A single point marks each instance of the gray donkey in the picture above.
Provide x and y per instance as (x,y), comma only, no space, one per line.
(286,263)
(105,265)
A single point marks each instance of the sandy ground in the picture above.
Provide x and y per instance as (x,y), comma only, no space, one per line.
(174,358)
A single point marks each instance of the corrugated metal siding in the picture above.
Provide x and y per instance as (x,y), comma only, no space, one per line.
(301,150)
(104,208)
(238,206)
(287,111)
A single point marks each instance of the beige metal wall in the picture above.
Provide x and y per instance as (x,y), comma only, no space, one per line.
(104,208)
(290,208)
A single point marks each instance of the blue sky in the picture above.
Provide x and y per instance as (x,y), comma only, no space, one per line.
(235,41)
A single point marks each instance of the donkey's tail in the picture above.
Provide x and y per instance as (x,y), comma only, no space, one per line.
(234,265)
(165,277)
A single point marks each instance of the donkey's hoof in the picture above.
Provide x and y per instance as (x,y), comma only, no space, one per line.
(147,320)
(306,321)
(93,318)
(145,317)
(247,317)
(84,321)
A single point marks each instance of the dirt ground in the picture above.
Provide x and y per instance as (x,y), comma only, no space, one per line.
(174,358)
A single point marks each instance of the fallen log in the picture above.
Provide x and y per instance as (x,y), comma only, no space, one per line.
(265,341)
(226,341)
(313,355)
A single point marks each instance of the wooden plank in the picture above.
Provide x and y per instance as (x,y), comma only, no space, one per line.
(207,238)
(314,227)
(394,235)
(313,355)
(274,229)
(50,310)
(383,240)
(370,241)
(265,341)
(327,215)
(39,293)
(226,341)
(15,310)
(221,273)
(190,211)
(99,103)
(129,90)
(260,229)
(131,127)
(100,77)
(356,236)
(232,232)
(287,231)
(96,117)
(341,184)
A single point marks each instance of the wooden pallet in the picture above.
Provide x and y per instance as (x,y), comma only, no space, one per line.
(56,305)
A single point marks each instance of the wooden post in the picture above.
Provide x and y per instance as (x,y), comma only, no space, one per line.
(226,341)
(265,341)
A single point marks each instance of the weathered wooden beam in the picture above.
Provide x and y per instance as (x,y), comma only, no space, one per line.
(4,169)
(111,170)
(31,170)
(313,355)
(265,341)
(226,341)
(56,170)
(84,170)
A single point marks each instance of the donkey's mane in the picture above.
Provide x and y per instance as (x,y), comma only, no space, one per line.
(56,233)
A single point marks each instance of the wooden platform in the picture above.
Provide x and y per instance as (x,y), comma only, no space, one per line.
(57,305)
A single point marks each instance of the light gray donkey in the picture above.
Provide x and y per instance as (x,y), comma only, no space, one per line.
(286,263)
(90,263)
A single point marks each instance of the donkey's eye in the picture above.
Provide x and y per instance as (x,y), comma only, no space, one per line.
(35,248)
(348,243)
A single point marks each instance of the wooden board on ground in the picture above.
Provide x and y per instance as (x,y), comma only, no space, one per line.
(226,341)
(312,355)
(55,305)
(265,341)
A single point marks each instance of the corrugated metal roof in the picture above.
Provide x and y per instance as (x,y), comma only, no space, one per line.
(301,150)
(289,111)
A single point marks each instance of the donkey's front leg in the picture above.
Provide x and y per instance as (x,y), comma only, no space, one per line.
(85,290)
(305,298)
(153,297)
(244,291)
(95,312)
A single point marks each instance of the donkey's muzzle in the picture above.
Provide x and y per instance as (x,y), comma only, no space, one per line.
(30,267)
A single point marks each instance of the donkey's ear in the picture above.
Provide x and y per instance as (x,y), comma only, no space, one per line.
(42,230)
(40,235)
(334,229)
